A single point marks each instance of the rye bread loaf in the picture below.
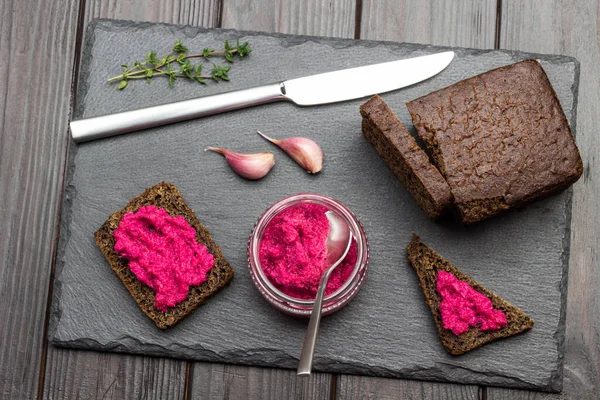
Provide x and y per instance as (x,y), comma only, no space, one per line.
(164,195)
(403,156)
(426,263)
(500,139)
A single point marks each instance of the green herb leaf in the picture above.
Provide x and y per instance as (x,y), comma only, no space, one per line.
(122,84)
(220,72)
(229,57)
(187,68)
(151,58)
(149,73)
(243,49)
(206,52)
(179,47)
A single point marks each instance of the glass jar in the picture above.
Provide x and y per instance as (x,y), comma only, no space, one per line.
(303,307)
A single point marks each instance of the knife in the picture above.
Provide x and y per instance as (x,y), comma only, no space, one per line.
(329,87)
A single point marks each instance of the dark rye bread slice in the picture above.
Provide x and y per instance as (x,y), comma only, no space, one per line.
(427,263)
(164,195)
(403,156)
(500,139)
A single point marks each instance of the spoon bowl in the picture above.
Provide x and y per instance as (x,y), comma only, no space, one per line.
(338,240)
(338,243)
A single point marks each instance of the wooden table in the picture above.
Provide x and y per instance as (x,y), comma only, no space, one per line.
(40,44)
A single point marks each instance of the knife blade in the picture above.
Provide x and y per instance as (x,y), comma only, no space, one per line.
(355,83)
(328,87)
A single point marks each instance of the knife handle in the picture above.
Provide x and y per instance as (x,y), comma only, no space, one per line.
(128,121)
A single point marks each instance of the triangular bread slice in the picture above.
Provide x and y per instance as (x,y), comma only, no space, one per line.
(427,263)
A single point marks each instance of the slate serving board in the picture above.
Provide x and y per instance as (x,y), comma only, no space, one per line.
(387,330)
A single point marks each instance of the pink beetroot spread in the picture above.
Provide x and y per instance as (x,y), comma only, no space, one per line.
(293,251)
(163,253)
(462,306)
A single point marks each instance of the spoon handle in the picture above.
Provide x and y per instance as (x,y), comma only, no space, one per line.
(310,340)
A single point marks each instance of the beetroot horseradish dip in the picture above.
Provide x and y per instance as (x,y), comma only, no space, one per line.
(462,306)
(163,253)
(293,251)
(287,250)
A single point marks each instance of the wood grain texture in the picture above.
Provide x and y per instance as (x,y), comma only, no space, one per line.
(333,18)
(186,12)
(364,388)
(37,38)
(511,394)
(570,28)
(77,374)
(468,23)
(218,381)
(87,374)
(450,23)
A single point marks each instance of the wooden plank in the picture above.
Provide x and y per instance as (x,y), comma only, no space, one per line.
(317,17)
(187,12)
(74,374)
(469,23)
(359,387)
(450,23)
(218,381)
(78,374)
(37,39)
(510,394)
(571,28)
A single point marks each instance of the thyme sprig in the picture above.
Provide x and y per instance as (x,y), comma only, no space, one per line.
(153,66)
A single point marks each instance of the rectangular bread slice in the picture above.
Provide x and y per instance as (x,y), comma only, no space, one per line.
(426,263)
(164,195)
(500,139)
(403,156)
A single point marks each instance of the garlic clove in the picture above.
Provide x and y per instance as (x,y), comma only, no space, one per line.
(249,166)
(304,151)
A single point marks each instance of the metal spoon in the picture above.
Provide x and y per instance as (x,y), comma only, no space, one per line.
(338,244)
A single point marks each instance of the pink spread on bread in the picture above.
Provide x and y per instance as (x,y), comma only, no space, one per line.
(462,306)
(163,253)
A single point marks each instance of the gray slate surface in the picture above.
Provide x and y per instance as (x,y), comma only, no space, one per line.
(387,329)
